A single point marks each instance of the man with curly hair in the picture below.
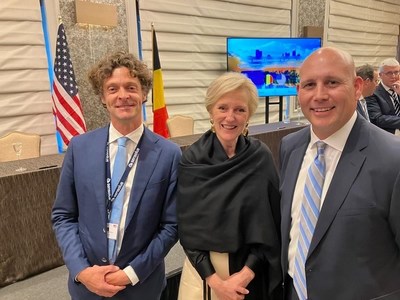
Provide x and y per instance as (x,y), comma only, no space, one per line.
(115,232)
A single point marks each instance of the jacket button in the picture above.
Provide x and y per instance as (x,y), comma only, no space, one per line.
(104,230)
(104,260)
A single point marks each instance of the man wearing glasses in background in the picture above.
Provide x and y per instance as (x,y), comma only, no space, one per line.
(384,104)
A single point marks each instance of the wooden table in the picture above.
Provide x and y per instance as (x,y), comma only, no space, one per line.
(28,245)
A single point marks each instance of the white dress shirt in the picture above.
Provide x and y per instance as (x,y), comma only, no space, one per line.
(333,151)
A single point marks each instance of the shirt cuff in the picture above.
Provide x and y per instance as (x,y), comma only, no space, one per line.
(76,279)
(130,272)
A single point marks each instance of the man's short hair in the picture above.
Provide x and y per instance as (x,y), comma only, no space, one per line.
(365,72)
(390,62)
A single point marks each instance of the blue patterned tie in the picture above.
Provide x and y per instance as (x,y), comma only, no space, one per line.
(116,211)
(396,102)
(310,209)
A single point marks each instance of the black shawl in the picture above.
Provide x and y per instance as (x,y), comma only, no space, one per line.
(226,203)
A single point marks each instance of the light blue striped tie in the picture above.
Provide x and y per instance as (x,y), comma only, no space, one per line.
(310,209)
(116,210)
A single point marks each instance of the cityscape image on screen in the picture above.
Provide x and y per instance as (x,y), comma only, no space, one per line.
(271,63)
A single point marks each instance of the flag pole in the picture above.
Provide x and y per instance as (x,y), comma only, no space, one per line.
(60,146)
(60,143)
(140,54)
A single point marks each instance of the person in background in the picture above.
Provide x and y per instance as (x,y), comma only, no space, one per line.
(370,81)
(340,185)
(228,203)
(115,232)
(384,104)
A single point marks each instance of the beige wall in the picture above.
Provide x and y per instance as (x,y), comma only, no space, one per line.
(87,44)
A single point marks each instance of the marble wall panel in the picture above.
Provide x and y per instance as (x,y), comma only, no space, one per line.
(311,13)
(88,44)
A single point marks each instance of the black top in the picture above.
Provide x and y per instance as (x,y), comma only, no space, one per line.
(230,205)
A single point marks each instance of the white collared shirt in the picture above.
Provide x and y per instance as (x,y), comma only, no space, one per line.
(333,151)
(133,140)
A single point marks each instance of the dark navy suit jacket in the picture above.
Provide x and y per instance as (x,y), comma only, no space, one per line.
(355,251)
(79,213)
(381,110)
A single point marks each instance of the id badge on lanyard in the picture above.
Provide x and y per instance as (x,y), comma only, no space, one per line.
(113,228)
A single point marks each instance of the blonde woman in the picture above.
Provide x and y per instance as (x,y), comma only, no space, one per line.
(228,203)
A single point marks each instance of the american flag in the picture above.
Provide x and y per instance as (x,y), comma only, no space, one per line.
(66,103)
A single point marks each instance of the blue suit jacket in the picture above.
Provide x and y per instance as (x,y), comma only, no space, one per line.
(355,251)
(79,212)
(381,110)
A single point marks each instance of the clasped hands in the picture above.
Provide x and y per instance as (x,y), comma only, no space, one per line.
(104,281)
(232,288)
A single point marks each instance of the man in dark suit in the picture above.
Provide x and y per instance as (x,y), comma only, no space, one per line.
(122,259)
(347,247)
(384,104)
(370,81)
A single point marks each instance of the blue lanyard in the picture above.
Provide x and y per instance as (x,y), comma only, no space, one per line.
(113,196)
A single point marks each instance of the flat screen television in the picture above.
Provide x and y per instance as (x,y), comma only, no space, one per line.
(271,63)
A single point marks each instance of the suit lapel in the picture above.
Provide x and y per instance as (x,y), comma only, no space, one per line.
(99,172)
(295,161)
(346,172)
(384,94)
(147,161)
(291,173)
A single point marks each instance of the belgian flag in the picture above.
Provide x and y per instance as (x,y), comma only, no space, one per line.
(160,113)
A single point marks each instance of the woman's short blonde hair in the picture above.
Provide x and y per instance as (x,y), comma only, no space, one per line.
(229,82)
